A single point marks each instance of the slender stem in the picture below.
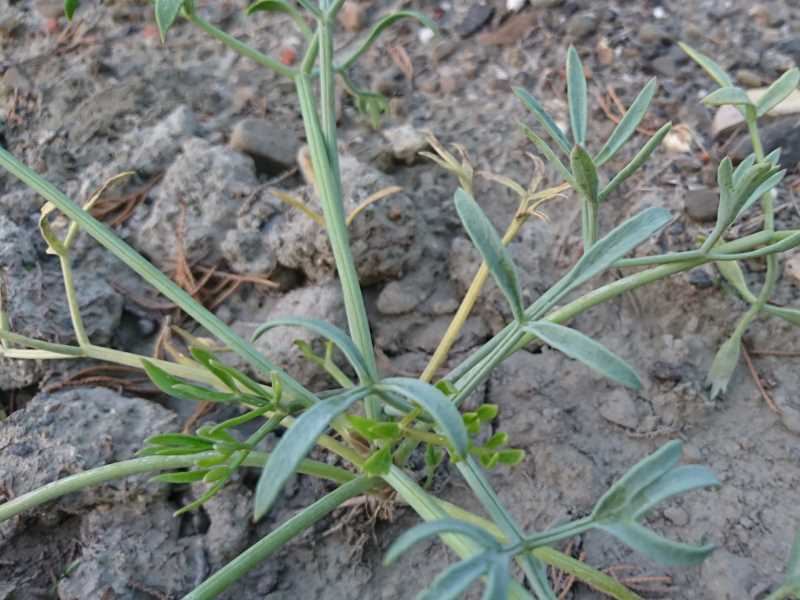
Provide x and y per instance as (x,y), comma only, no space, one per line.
(551,536)
(767,207)
(147,464)
(258,552)
(589,223)
(72,301)
(60,349)
(240,46)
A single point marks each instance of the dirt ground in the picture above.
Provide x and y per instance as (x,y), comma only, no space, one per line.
(104,96)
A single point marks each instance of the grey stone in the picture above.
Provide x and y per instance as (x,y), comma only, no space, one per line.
(726,576)
(701,204)
(783,133)
(477,16)
(403,296)
(212,182)
(68,432)
(154,149)
(245,248)
(273,148)
(652,34)
(384,238)
(619,408)
(581,24)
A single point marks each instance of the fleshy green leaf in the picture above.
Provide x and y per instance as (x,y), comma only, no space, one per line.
(724,365)
(166,13)
(379,463)
(498,580)
(550,126)
(456,579)
(604,253)
(576,96)
(280,6)
(178,440)
(735,96)
(511,456)
(551,157)
(585,173)
(427,530)
(656,547)
(487,412)
(444,412)
(742,168)
(792,315)
(584,349)
(70,6)
(487,241)
(295,444)
(497,440)
(716,72)
(627,126)
(765,187)
(178,389)
(778,91)
(637,161)
(379,28)
(329,332)
(228,375)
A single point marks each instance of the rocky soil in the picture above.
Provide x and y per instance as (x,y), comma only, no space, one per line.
(210,137)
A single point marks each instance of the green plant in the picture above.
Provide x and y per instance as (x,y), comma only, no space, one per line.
(372,423)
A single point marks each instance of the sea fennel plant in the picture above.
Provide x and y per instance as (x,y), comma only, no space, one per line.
(374,423)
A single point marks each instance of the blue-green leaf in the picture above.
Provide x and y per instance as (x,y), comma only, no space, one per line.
(70,6)
(443,412)
(763,188)
(454,581)
(778,91)
(576,96)
(636,162)
(280,6)
(791,315)
(329,332)
(295,444)
(487,241)
(743,168)
(429,529)
(716,72)
(585,173)
(679,480)
(642,474)
(498,580)
(550,126)
(166,13)
(604,253)
(379,28)
(732,95)
(628,124)
(724,364)
(584,349)
(551,157)
(656,547)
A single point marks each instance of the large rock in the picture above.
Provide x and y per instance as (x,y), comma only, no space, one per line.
(61,434)
(273,148)
(383,237)
(216,185)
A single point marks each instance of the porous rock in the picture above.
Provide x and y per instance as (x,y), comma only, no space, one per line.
(69,432)
(383,237)
(273,148)
(200,199)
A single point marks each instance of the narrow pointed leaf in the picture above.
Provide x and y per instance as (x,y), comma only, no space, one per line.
(379,463)
(724,365)
(70,6)
(743,168)
(656,547)
(166,13)
(679,480)
(774,157)
(604,253)
(176,388)
(498,579)
(627,126)
(735,96)
(178,439)
(329,332)
(716,72)
(550,126)
(778,91)
(637,161)
(551,157)
(766,187)
(443,411)
(280,6)
(180,477)
(429,529)
(487,241)
(228,375)
(295,444)
(576,96)
(585,173)
(638,477)
(456,579)
(792,315)
(584,349)
(380,27)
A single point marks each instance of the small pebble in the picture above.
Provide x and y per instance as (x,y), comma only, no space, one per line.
(273,148)
(477,16)
(701,204)
(581,24)
(352,16)
(793,267)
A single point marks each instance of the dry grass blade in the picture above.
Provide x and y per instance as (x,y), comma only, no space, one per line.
(379,195)
(759,383)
